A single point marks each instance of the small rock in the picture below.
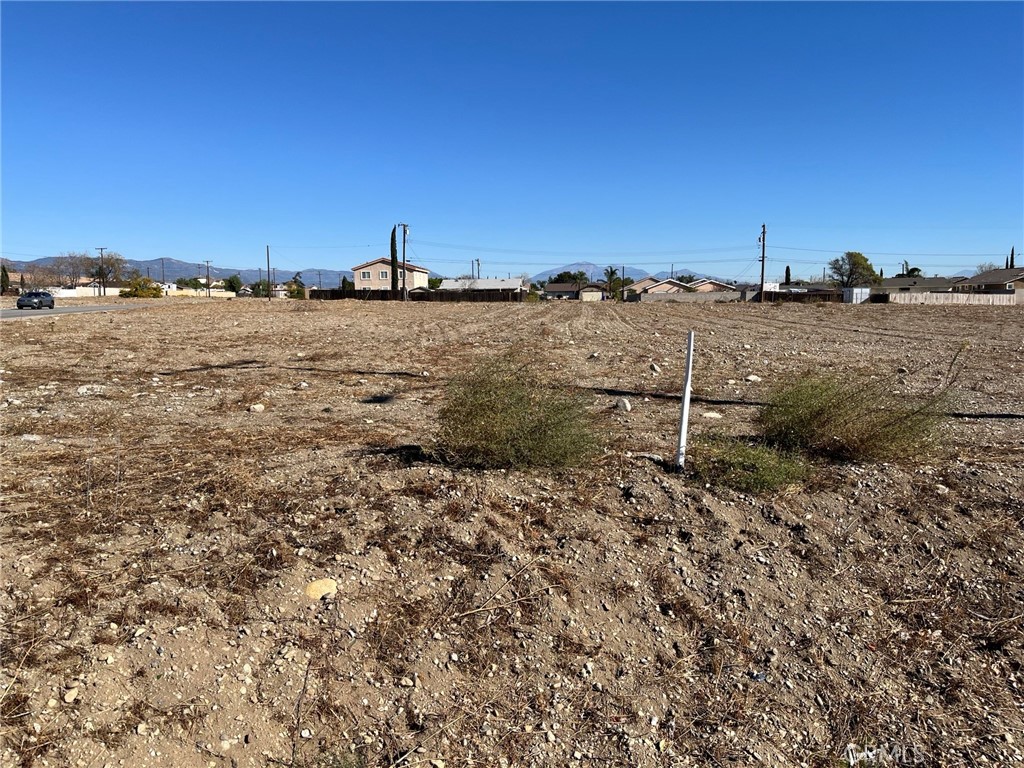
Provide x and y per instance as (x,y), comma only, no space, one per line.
(406,682)
(70,695)
(437,763)
(657,458)
(901,369)
(711,415)
(303,385)
(321,588)
(754,378)
(941,489)
(655,368)
(306,733)
(91,389)
(257,408)
(594,355)
(623,404)
(142,729)
(31,438)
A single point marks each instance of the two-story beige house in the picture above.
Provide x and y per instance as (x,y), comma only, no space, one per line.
(376,275)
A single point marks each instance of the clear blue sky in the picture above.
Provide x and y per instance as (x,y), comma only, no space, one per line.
(529,135)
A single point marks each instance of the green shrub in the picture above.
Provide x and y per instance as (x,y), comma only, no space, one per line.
(742,465)
(142,288)
(503,414)
(851,418)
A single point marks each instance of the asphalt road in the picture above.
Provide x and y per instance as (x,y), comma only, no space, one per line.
(15,314)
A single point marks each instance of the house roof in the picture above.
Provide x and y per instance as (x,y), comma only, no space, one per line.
(921,282)
(704,280)
(594,287)
(996,276)
(561,287)
(667,281)
(643,283)
(481,284)
(387,260)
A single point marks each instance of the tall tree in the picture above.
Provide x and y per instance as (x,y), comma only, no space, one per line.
(611,277)
(789,275)
(394,260)
(851,269)
(1012,265)
(5,279)
(108,270)
(295,287)
(233,283)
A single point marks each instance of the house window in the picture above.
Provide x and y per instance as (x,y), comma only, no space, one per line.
(401,274)
(364,275)
(383,274)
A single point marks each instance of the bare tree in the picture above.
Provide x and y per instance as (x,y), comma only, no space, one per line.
(44,277)
(986,266)
(70,266)
(108,270)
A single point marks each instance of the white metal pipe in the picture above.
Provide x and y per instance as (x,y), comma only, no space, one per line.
(684,419)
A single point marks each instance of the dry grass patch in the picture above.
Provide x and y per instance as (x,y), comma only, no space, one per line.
(852,418)
(503,414)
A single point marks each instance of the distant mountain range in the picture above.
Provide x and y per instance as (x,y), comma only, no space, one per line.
(169,270)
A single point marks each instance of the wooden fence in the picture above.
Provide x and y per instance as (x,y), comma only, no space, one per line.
(977,299)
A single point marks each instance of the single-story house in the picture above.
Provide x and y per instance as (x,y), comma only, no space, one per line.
(994,281)
(641,285)
(376,275)
(562,290)
(592,292)
(707,284)
(917,285)
(668,285)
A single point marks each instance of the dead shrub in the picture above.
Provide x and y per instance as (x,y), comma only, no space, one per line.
(503,414)
(852,418)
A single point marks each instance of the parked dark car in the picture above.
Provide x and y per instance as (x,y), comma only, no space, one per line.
(35,300)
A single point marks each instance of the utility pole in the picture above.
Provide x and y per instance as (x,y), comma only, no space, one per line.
(405,237)
(622,280)
(147,272)
(102,274)
(207,278)
(269,292)
(478,269)
(764,233)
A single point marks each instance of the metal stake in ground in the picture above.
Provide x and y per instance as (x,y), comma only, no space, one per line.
(684,419)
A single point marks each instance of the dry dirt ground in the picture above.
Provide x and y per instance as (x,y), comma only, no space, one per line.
(159,535)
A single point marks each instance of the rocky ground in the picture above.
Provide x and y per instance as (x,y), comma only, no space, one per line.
(226,543)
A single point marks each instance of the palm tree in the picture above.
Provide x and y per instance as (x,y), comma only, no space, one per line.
(611,274)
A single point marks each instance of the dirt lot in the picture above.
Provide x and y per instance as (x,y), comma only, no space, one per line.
(160,534)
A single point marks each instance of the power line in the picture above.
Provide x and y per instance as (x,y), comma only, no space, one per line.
(526,252)
(885,253)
